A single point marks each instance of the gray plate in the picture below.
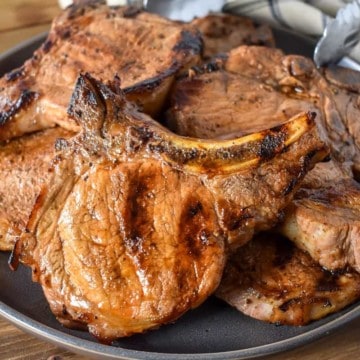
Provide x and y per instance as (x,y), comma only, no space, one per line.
(213,331)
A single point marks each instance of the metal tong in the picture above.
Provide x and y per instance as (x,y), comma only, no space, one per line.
(340,37)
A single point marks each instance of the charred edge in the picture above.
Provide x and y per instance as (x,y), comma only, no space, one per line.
(215,64)
(191,42)
(291,186)
(63,33)
(24,100)
(327,158)
(15,74)
(287,304)
(208,159)
(131,11)
(175,154)
(86,90)
(308,161)
(149,85)
(270,145)
(47,45)
(305,167)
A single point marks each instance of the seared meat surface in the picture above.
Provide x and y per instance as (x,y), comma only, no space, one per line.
(24,167)
(223,32)
(272,280)
(133,229)
(144,50)
(324,218)
(229,103)
(254,88)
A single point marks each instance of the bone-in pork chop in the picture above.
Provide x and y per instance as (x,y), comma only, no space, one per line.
(133,229)
(272,280)
(144,50)
(258,87)
(253,88)
(24,168)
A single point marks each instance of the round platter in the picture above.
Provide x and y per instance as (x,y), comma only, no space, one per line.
(212,331)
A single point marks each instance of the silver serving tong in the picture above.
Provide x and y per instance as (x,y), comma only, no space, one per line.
(340,37)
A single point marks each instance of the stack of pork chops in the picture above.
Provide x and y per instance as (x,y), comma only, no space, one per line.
(245,189)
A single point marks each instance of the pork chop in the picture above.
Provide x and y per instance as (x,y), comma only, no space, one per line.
(272,280)
(24,168)
(133,229)
(143,49)
(223,32)
(324,218)
(253,88)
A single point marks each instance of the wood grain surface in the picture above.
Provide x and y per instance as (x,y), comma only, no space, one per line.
(20,20)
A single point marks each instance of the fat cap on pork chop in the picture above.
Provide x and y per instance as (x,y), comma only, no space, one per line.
(133,229)
(145,50)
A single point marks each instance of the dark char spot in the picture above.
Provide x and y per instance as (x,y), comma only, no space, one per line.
(190,42)
(287,304)
(47,46)
(24,100)
(15,74)
(195,209)
(270,144)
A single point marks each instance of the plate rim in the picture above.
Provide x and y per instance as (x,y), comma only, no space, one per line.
(98,350)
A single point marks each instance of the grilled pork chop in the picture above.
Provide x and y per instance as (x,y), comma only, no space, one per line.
(24,168)
(257,87)
(324,218)
(272,280)
(143,49)
(223,32)
(132,231)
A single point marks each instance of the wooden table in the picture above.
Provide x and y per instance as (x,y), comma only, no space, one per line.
(20,20)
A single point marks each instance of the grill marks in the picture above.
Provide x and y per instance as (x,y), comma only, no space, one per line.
(138,232)
(145,50)
(193,221)
(138,216)
(272,280)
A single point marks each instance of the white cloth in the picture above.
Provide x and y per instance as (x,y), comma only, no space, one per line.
(308,17)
